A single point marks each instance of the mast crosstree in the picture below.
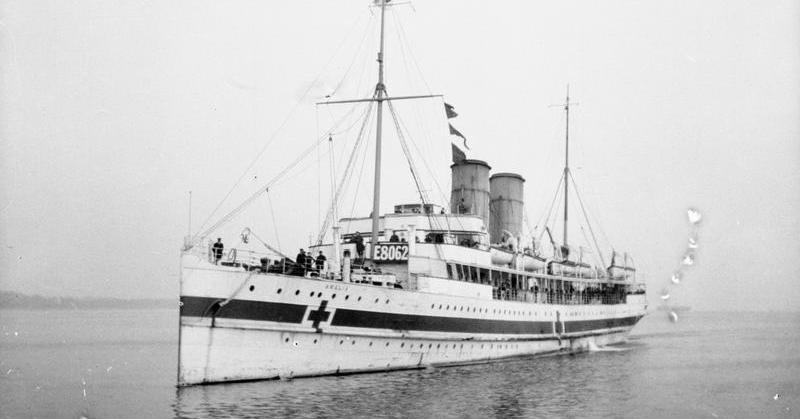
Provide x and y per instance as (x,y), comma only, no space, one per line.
(380,95)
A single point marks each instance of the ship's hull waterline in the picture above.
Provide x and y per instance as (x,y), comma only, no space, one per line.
(239,326)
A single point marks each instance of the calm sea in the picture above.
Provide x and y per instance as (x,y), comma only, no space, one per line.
(122,364)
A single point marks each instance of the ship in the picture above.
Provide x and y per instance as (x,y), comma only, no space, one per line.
(425,285)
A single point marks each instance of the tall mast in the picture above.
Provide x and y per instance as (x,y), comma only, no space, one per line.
(566,167)
(380,95)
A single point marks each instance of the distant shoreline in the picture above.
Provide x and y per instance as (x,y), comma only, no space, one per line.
(14,300)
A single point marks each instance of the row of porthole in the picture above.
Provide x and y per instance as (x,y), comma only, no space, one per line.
(486,310)
(421,345)
(495,311)
(319,295)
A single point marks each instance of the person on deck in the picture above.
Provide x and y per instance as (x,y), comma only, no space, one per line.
(300,261)
(309,261)
(359,241)
(320,262)
(218,249)
(394,238)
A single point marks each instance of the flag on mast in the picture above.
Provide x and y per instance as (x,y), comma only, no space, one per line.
(455,132)
(450,110)
(458,155)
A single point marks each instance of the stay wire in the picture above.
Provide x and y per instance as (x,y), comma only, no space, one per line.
(277,131)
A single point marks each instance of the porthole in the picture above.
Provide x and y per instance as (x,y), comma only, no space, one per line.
(440,306)
(387,301)
(347,297)
(312,294)
(333,296)
(252,287)
(402,344)
(370,344)
(359,298)
(420,345)
(279,290)
(376,300)
(286,340)
(319,294)
(387,343)
(353,342)
(462,308)
(454,346)
(341,342)
(438,345)
(315,341)
(297,292)
(430,345)
(448,308)
(432,305)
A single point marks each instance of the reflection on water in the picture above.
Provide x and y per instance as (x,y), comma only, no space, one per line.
(122,364)
(529,387)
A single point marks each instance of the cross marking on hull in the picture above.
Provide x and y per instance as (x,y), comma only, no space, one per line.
(319,315)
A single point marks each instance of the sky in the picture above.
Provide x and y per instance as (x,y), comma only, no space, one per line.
(112,111)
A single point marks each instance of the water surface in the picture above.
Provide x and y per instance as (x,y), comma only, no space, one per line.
(122,364)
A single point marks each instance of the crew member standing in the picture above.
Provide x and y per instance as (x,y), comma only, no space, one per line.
(300,261)
(359,241)
(320,261)
(218,248)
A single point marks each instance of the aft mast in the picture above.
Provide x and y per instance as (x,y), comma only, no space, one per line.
(566,167)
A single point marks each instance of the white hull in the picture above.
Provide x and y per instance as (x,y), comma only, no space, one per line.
(267,328)
(213,355)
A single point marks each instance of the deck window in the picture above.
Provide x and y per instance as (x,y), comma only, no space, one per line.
(484,276)
(473,273)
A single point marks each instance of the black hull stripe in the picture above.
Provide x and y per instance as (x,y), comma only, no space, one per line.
(370,319)
(586,325)
(294,313)
(243,309)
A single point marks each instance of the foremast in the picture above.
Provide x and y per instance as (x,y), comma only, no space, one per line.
(380,97)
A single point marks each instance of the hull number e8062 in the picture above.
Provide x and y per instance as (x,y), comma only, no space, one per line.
(391,252)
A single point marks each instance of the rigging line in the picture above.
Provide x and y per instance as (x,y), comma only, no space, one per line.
(596,260)
(280,128)
(296,173)
(304,168)
(403,46)
(319,172)
(550,210)
(432,221)
(599,225)
(358,182)
(402,33)
(407,153)
(586,217)
(433,176)
(273,182)
(367,31)
(347,171)
(551,222)
(270,248)
(274,224)
(258,193)
(355,120)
